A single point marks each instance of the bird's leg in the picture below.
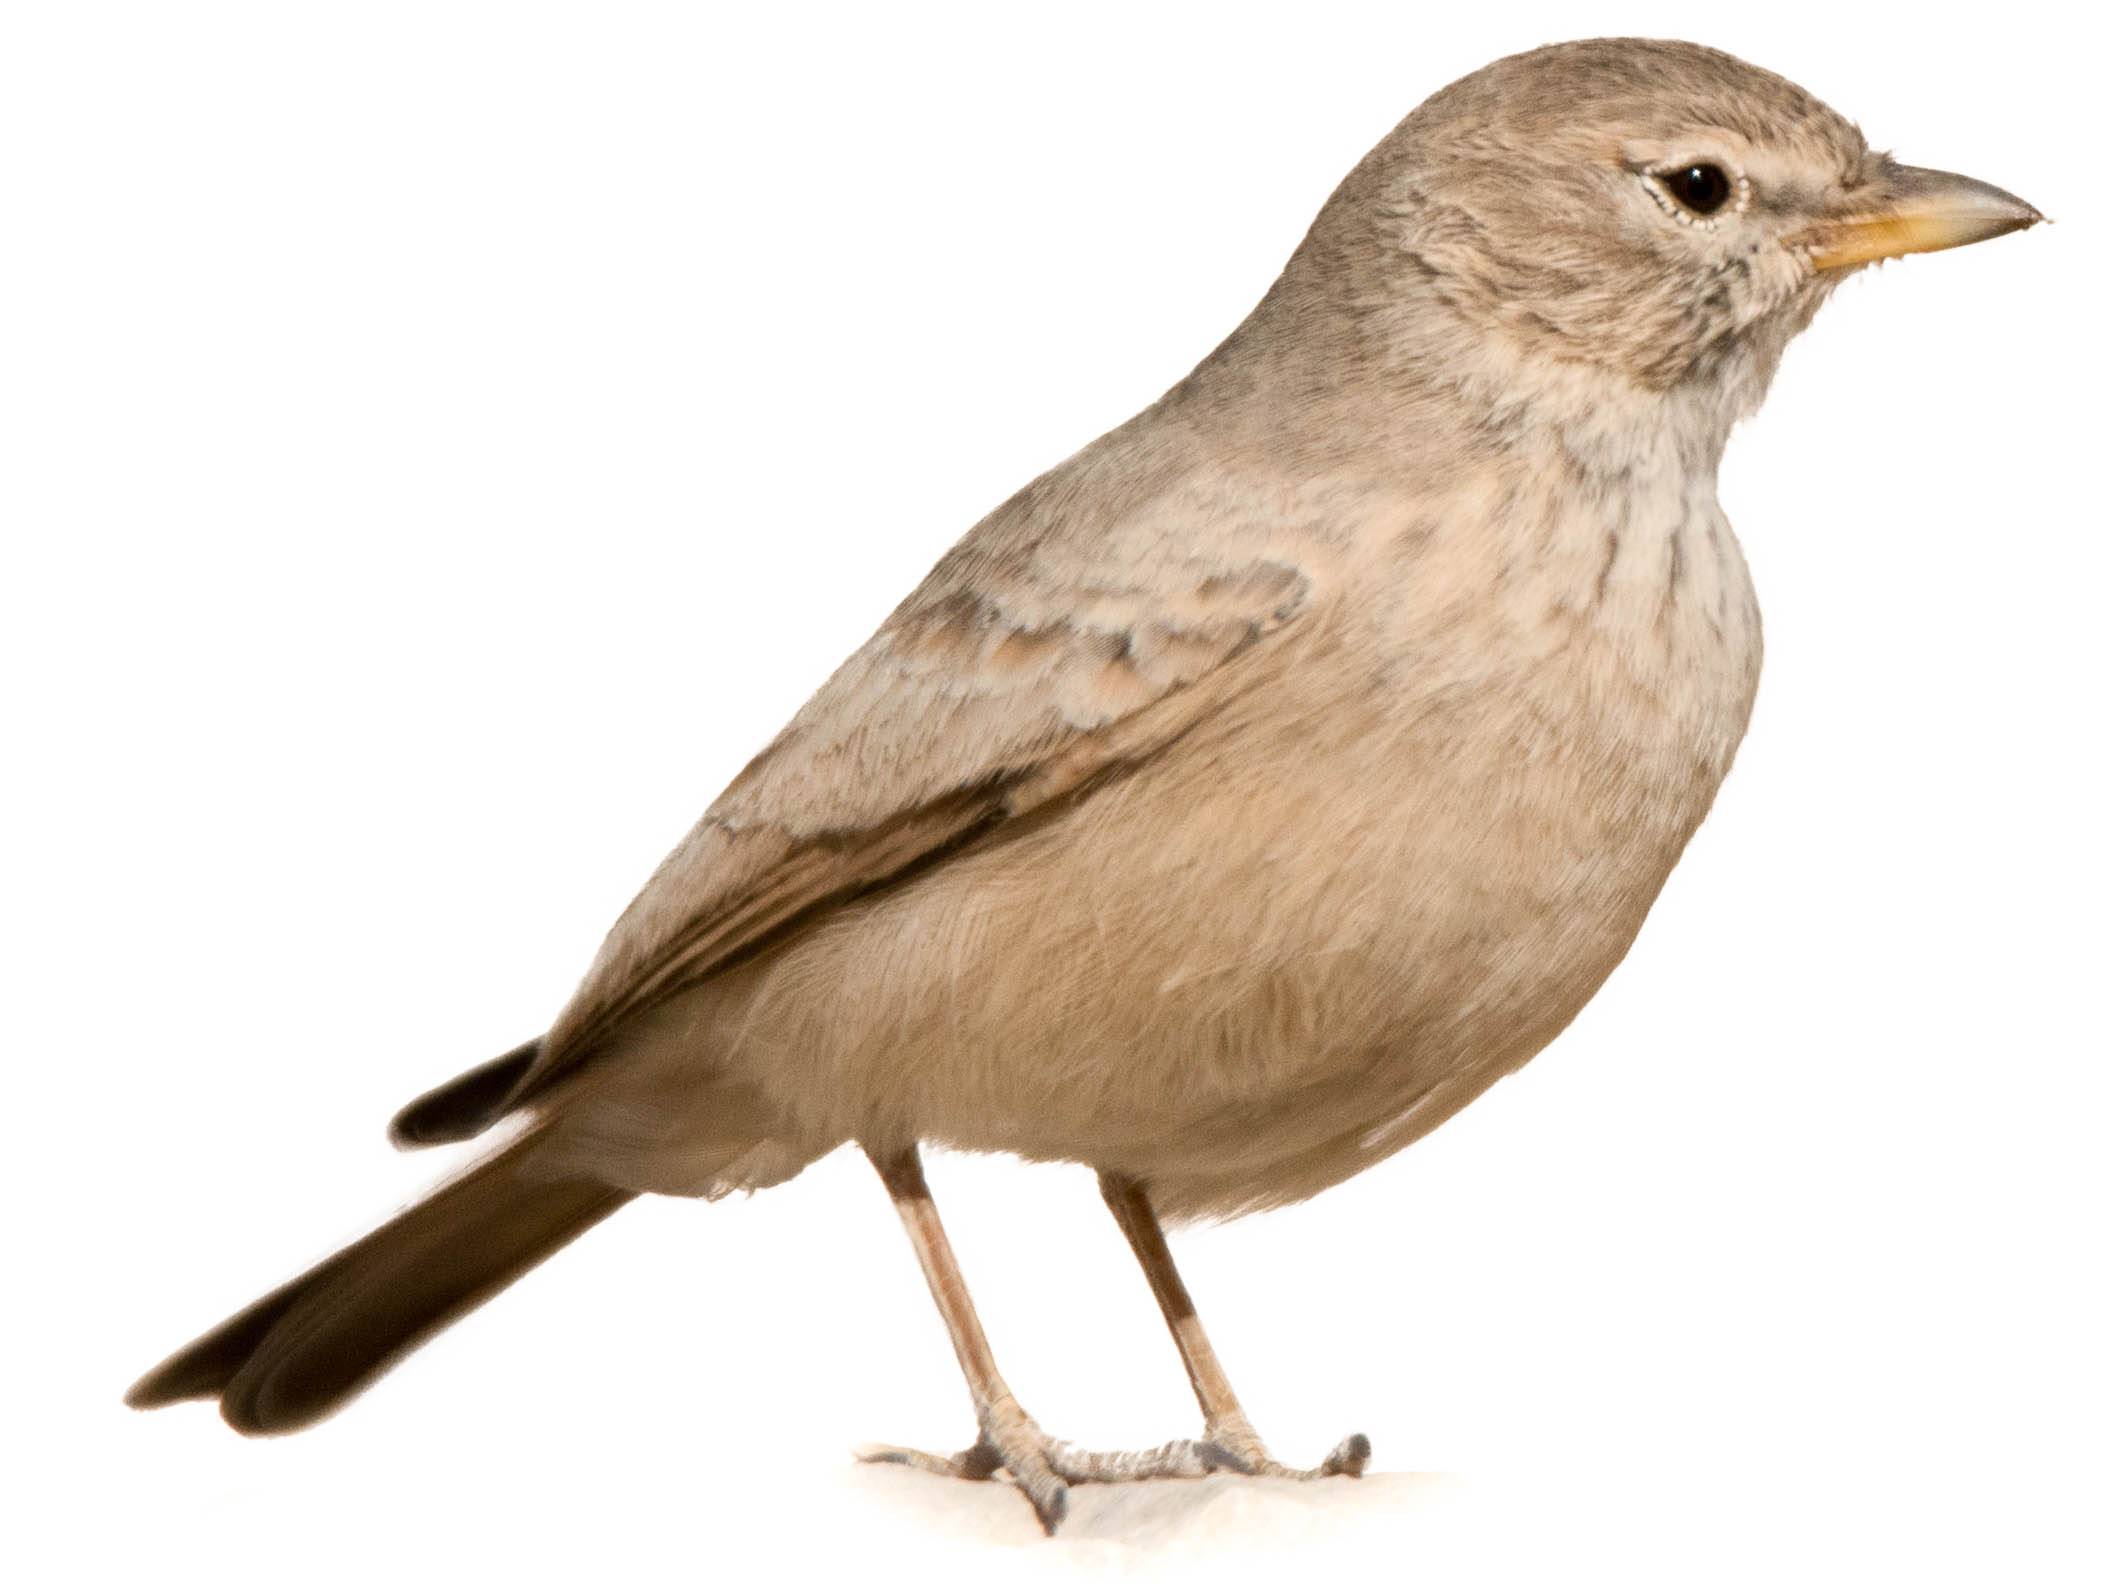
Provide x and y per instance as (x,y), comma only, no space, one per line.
(1007,1437)
(1229,1433)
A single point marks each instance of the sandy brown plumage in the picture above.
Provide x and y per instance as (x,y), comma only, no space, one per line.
(1248,793)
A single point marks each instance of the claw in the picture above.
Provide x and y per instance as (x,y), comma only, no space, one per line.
(1048,1501)
(1350,1457)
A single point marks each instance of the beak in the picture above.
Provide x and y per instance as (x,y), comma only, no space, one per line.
(1914,211)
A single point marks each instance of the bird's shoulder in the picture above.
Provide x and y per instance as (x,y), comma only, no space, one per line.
(1055,618)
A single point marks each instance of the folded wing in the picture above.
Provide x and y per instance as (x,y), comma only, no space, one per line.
(1029,664)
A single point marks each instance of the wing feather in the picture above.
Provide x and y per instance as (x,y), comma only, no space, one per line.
(1031,662)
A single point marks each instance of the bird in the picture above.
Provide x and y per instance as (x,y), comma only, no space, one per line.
(1243,796)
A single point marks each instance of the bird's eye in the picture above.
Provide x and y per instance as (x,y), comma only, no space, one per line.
(1701,189)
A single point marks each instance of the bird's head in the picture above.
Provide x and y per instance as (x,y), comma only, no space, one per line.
(1659,213)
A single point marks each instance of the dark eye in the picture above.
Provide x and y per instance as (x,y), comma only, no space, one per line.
(1701,189)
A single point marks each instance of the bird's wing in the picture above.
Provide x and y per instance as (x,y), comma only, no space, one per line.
(1029,663)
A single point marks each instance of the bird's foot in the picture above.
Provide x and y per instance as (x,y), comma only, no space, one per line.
(1007,1439)
(1042,1467)
(1240,1450)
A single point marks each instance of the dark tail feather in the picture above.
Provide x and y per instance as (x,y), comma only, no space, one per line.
(458,1110)
(299,1353)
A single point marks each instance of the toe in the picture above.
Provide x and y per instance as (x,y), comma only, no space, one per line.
(1179,1458)
(902,1456)
(980,1461)
(1041,1484)
(1238,1450)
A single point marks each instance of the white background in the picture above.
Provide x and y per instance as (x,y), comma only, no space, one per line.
(439,443)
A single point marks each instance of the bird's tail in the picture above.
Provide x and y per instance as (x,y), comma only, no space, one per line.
(296,1355)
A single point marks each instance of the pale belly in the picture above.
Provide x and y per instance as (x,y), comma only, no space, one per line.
(1245,973)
